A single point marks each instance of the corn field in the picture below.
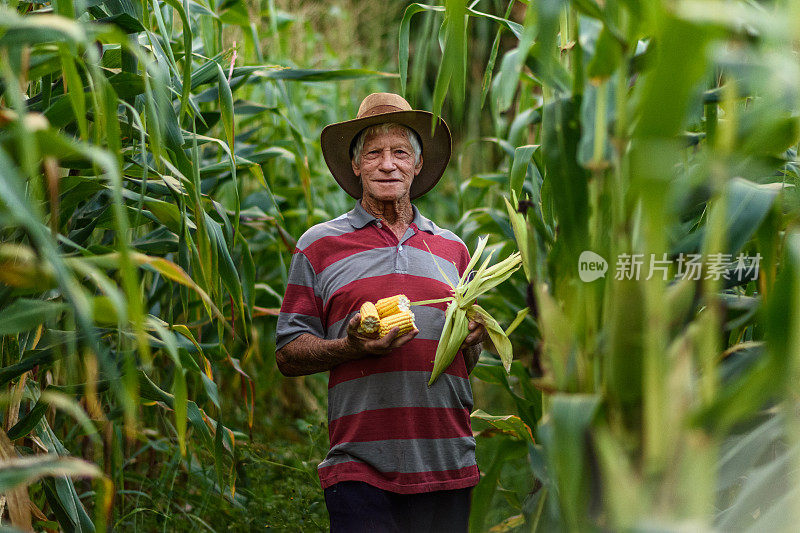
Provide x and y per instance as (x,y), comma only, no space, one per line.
(158,160)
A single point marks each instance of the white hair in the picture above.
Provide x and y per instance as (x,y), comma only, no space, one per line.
(386,127)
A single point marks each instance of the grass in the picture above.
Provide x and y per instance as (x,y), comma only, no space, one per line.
(277,486)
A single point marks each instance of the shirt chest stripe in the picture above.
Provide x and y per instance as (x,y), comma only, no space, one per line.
(415,355)
(407,456)
(396,390)
(327,250)
(383,261)
(401,482)
(401,423)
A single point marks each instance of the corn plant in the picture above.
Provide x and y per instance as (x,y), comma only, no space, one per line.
(648,395)
(147,162)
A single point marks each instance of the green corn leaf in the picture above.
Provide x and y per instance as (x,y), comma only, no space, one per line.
(63,487)
(519,168)
(514,27)
(496,333)
(226,106)
(492,277)
(487,75)
(218,452)
(521,314)
(168,338)
(452,68)
(476,255)
(248,274)
(168,214)
(606,58)
(511,424)
(70,406)
(104,311)
(500,451)
(27,423)
(403,38)
(172,271)
(186,332)
(30,361)
(564,439)
(441,348)
(453,334)
(43,28)
(212,391)
(440,268)
(226,267)
(311,75)
(521,235)
(181,394)
(25,314)
(75,92)
(435,301)
(508,77)
(464,287)
(196,418)
(23,471)
(187,58)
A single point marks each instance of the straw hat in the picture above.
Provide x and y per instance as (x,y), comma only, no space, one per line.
(377,108)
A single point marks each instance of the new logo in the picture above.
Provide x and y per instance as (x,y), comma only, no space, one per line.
(591,266)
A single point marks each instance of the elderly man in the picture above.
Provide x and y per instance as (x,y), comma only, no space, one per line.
(402,455)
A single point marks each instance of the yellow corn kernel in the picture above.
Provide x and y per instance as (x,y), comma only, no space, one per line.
(370,321)
(391,305)
(403,320)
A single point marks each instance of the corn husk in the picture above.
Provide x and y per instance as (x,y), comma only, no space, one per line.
(461,308)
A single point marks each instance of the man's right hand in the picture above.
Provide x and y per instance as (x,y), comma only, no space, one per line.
(308,354)
(363,344)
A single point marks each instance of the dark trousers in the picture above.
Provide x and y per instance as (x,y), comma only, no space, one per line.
(355,506)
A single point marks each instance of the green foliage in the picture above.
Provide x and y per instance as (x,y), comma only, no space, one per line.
(637,128)
(156,169)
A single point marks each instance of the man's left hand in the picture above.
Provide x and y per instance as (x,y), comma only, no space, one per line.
(477,333)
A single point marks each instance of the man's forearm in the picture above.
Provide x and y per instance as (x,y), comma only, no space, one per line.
(471,355)
(308,354)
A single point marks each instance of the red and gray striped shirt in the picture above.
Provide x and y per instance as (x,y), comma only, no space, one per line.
(386,426)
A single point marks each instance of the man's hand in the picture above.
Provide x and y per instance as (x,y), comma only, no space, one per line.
(363,344)
(477,334)
(471,347)
(308,354)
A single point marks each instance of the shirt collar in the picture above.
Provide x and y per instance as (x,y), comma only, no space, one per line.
(422,223)
(360,217)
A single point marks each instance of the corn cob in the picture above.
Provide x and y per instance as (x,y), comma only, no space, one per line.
(403,320)
(392,305)
(370,321)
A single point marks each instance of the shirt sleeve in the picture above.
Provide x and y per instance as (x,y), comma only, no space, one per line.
(301,310)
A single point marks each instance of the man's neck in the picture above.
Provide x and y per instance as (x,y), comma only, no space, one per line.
(391,212)
(396,214)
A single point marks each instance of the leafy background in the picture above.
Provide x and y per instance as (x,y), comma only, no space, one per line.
(159,159)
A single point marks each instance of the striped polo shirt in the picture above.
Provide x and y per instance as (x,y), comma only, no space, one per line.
(386,426)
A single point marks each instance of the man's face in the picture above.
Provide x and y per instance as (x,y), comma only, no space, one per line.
(386,166)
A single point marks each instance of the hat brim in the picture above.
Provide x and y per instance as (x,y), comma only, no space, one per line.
(336,139)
